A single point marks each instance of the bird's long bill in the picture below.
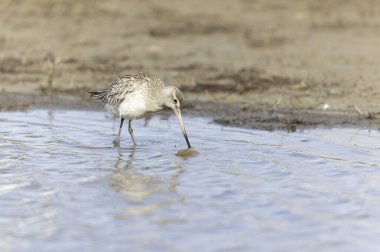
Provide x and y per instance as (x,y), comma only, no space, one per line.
(179,117)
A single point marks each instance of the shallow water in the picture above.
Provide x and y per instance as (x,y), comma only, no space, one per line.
(64,187)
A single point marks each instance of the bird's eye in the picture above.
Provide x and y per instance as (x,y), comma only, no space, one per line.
(175,100)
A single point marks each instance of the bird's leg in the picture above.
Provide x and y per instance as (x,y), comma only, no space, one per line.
(131,131)
(117,139)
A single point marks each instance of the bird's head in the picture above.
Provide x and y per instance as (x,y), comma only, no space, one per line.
(173,99)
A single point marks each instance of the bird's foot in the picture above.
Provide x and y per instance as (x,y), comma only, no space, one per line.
(133,140)
(116,142)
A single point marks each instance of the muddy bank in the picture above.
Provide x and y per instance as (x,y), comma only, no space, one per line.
(261,64)
(241,115)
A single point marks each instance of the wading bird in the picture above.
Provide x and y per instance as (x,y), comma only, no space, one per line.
(135,96)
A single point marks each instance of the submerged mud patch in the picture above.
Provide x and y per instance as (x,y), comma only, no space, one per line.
(245,115)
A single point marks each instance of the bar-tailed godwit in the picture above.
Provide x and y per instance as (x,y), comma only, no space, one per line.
(135,96)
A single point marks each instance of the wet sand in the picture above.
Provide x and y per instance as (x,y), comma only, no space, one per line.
(263,64)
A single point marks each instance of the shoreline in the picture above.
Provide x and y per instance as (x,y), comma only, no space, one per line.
(236,115)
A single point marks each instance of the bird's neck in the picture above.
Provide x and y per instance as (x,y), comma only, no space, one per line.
(156,101)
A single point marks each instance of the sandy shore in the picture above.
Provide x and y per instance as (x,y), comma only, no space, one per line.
(262,64)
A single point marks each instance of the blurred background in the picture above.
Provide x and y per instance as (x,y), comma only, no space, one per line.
(265,55)
(263,64)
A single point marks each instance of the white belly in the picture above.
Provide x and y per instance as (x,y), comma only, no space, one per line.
(133,107)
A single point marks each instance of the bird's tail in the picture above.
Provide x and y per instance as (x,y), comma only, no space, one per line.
(97,94)
(94,93)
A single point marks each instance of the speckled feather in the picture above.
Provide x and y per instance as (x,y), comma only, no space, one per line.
(115,94)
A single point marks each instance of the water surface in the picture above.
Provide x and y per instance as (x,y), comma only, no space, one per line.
(64,187)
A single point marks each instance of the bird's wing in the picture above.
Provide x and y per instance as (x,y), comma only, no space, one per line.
(119,88)
(115,94)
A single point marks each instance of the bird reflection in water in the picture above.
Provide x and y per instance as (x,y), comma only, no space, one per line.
(142,186)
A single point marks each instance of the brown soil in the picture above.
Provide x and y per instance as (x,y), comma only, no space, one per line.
(264,64)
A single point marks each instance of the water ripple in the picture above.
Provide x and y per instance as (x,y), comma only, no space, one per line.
(64,187)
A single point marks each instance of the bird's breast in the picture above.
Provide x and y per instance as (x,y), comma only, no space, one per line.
(133,106)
